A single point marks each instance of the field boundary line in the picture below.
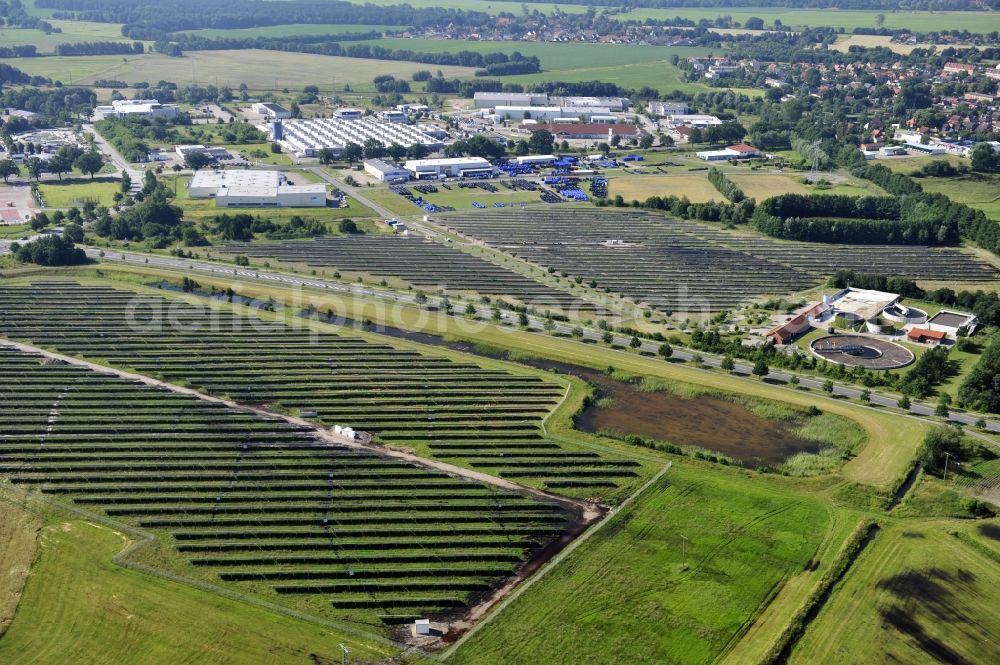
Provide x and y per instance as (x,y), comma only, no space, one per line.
(552,564)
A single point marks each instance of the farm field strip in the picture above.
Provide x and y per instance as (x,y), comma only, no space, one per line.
(422,263)
(230,497)
(678,265)
(406,398)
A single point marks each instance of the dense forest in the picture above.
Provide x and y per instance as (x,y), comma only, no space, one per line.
(152,19)
(935,5)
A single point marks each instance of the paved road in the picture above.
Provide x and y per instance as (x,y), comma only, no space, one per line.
(286,279)
(115,157)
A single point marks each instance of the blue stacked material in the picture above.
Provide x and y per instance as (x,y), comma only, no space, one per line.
(575,194)
(477,204)
(632,158)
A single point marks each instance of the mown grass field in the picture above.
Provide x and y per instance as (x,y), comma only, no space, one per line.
(68,195)
(917,594)
(764,186)
(979,191)
(695,187)
(871,41)
(18,541)
(626,595)
(260,70)
(109,614)
(461,199)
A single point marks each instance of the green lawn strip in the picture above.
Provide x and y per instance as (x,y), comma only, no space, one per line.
(624,596)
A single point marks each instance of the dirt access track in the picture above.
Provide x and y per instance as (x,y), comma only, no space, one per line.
(583,514)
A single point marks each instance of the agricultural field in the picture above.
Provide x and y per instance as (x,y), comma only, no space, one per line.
(695,187)
(921,592)
(261,504)
(763,186)
(260,70)
(680,266)
(68,195)
(416,262)
(792,18)
(844,43)
(628,66)
(18,542)
(485,418)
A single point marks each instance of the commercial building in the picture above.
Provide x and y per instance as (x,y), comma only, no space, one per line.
(585,130)
(665,109)
(206,183)
(348,114)
(385,171)
(557,114)
(457,167)
(488,100)
(393,116)
(305,138)
(738,151)
(271,110)
(928,149)
(150,108)
(694,120)
(282,196)
(535,160)
(214,153)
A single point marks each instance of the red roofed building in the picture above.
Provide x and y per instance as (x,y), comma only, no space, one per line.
(584,130)
(959,68)
(789,330)
(925,336)
(745,151)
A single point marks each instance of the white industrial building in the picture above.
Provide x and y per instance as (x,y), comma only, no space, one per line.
(151,108)
(393,116)
(665,109)
(693,120)
(535,160)
(455,167)
(271,110)
(348,114)
(557,114)
(489,100)
(214,153)
(254,189)
(305,138)
(385,171)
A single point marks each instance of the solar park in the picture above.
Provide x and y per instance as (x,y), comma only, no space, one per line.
(420,262)
(677,265)
(260,505)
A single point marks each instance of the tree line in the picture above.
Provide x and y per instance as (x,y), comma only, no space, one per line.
(101,48)
(973,225)
(726,187)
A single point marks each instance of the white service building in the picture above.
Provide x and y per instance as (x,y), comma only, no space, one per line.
(149,108)
(694,120)
(535,160)
(271,110)
(254,189)
(385,171)
(455,167)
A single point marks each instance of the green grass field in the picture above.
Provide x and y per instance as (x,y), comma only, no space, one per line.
(68,195)
(625,591)
(72,32)
(260,70)
(109,614)
(794,18)
(977,190)
(917,595)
